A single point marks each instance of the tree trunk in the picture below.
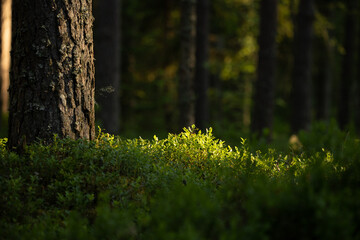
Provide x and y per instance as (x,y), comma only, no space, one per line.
(323,82)
(301,85)
(357,83)
(263,111)
(168,90)
(5,59)
(52,71)
(187,64)
(107,55)
(201,71)
(348,64)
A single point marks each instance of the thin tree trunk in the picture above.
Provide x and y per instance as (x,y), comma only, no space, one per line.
(168,82)
(301,85)
(52,72)
(324,81)
(325,70)
(348,65)
(357,83)
(201,72)
(5,57)
(107,55)
(187,64)
(263,111)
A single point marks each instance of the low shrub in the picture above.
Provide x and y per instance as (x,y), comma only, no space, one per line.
(186,186)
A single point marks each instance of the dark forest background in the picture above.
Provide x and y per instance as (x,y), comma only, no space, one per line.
(244,67)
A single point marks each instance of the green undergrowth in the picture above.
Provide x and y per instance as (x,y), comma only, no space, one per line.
(186,186)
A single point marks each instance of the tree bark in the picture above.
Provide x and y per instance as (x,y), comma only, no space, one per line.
(323,82)
(301,85)
(52,72)
(187,64)
(357,83)
(107,55)
(348,64)
(167,90)
(201,71)
(263,111)
(5,58)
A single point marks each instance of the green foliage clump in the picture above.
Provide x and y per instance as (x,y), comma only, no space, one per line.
(186,186)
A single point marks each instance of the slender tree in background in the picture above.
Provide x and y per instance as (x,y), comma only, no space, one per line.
(167,105)
(52,80)
(357,84)
(201,70)
(187,64)
(324,62)
(5,31)
(301,84)
(263,111)
(107,55)
(323,81)
(348,63)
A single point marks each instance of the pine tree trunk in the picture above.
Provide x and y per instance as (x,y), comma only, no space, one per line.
(187,64)
(107,55)
(301,85)
(167,90)
(201,72)
(357,83)
(348,64)
(323,82)
(263,110)
(5,31)
(52,71)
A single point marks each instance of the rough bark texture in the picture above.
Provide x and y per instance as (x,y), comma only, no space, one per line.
(107,64)
(201,72)
(52,72)
(5,54)
(263,110)
(301,85)
(348,64)
(187,64)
